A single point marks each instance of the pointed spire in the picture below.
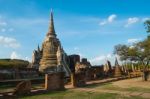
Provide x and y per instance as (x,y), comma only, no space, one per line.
(51,31)
(38,47)
(116,62)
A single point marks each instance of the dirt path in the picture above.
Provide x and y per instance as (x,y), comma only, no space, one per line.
(126,83)
(134,82)
(124,93)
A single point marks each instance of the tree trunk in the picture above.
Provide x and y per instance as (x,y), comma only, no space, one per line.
(145,75)
(145,72)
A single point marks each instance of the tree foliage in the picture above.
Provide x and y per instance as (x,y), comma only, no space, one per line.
(147,25)
(13,63)
(139,52)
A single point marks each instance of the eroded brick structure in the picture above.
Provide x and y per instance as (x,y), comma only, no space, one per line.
(117,72)
(54,81)
(51,56)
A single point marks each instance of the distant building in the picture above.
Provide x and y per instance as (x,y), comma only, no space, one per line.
(82,66)
(96,72)
(107,66)
(108,69)
(76,64)
(72,60)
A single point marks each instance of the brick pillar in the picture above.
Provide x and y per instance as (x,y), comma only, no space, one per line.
(78,80)
(73,80)
(54,81)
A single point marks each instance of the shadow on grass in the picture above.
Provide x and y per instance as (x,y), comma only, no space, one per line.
(43,92)
(97,85)
(71,94)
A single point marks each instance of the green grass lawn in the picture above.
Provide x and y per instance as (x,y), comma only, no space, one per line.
(74,94)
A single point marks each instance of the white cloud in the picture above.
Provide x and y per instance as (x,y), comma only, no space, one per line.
(76,48)
(81,55)
(103,23)
(145,19)
(4,26)
(28,59)
(132,46)
(110,19)
(100,59)
(109,56)
(14,55)
(131,21)
(103,58)
(97,60)
(131,41)
(9,42)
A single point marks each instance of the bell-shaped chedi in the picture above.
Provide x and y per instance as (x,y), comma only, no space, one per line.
(50,45)
(51,57)
(118,71)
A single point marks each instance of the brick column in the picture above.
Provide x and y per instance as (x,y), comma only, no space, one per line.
(73,80)
(54,81)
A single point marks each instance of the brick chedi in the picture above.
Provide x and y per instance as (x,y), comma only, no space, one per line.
(50,45)
(36,56)
(118,71)
(50,57)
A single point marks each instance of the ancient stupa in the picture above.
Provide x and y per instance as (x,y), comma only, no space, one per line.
(118,71)
(52,57)
(50,46)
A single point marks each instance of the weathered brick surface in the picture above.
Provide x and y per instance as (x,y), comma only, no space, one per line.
(78,79)
(54,81)
(23,88)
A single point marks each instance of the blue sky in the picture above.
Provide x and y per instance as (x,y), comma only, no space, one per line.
(90,28)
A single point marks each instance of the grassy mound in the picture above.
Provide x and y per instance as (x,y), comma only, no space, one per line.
(13,63)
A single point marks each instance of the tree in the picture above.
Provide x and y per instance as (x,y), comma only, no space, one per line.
(147,26)
(139,52)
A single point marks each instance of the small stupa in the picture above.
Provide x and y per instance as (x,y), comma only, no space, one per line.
(118,71)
